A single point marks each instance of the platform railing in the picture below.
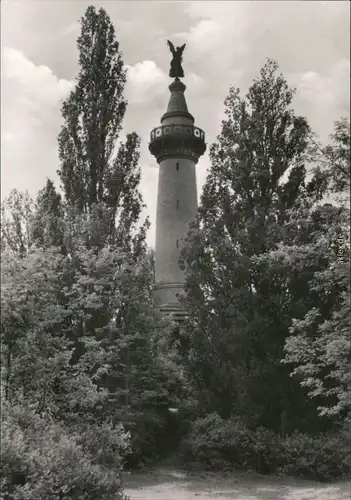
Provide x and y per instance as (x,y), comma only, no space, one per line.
(164,130)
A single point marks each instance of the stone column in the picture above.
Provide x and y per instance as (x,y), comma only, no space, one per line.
(177,145)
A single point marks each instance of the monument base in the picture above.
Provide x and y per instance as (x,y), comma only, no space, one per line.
(166,296)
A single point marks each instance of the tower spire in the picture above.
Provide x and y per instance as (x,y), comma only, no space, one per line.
(177,104)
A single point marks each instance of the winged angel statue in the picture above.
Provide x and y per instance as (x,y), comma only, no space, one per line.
(176,70)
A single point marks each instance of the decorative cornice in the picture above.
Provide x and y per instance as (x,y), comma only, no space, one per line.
(186,130)
(177,140)
(163,284)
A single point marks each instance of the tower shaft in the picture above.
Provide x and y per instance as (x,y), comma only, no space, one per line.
(177,145)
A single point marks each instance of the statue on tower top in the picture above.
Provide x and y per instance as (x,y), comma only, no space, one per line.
(176,70)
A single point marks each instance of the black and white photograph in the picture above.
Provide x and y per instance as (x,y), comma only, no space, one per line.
(175,250)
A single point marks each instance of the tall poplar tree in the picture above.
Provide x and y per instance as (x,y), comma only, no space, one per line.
(99,179)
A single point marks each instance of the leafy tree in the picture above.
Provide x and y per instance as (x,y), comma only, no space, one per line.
(112,304)
(319,346)
(240,308)
(93,171)
(16,219)
(47,223)
(45,392)
(336,157)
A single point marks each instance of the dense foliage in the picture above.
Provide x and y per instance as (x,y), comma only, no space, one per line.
(319,347)
(259,373)
(214,443)
(82,344)
(51,405)
(241,298)
(267,263)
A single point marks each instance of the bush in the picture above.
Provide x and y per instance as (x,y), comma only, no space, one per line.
(147,429)
(268,451)
(213,440)
(222,444)
(41,460)
(324,457)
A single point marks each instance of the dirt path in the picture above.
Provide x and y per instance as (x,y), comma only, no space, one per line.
(169,484)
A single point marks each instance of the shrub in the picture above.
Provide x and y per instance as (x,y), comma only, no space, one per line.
(267,448)
(221,444)
(146,427)
(213,440)
(325,457)
(41,460)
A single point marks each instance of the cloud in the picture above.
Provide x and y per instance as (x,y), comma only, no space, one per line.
(240,35)
(216,37)
(72,28)
(30,113)
(38,83)
(323,98)
(329,88)
(145,82)
(229,42)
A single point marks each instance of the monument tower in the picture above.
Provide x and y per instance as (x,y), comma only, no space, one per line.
(177,145)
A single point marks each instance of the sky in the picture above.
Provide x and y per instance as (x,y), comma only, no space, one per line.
(227,44)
